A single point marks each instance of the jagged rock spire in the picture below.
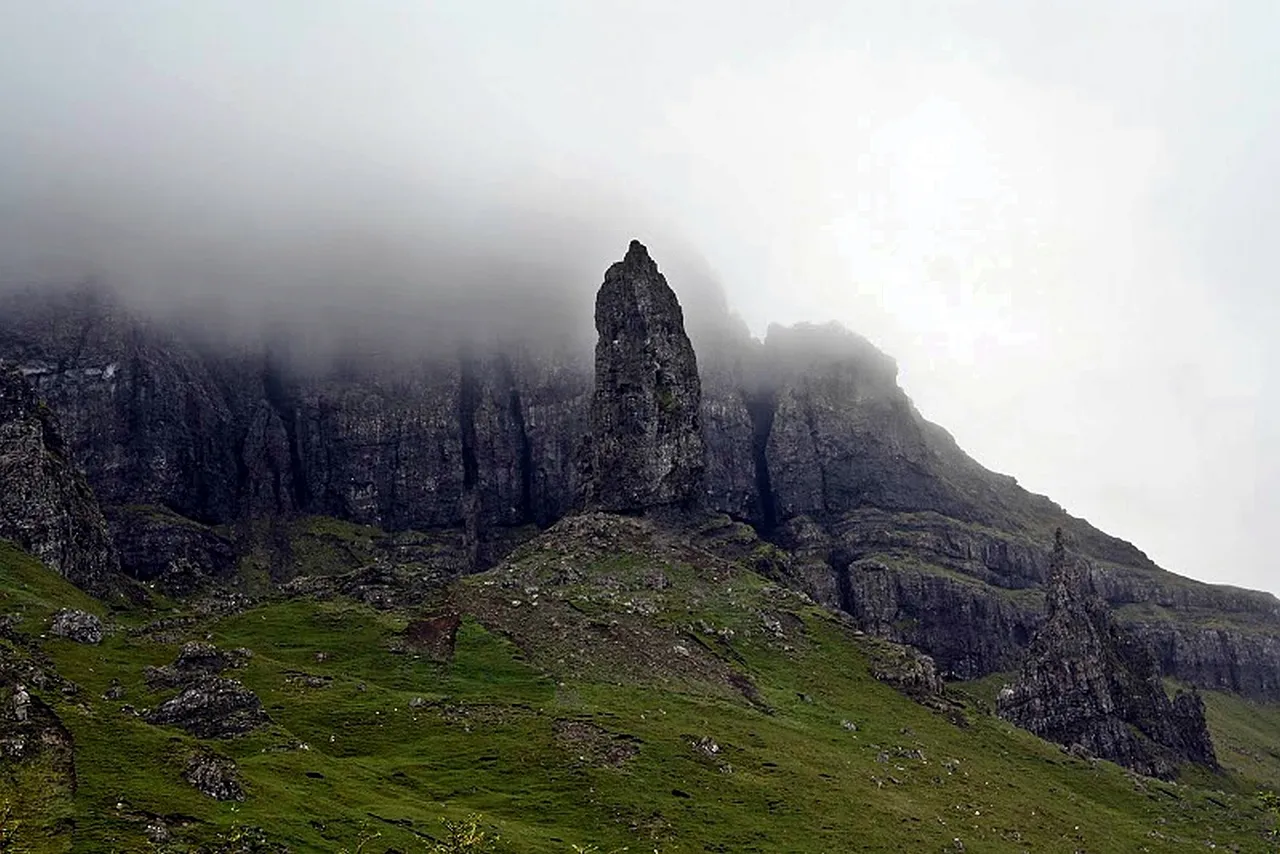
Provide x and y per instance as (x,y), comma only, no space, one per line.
(646,446)
(1088,685)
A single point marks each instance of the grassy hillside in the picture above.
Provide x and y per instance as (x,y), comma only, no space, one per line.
(609,686)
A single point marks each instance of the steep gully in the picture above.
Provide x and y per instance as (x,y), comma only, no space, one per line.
(761,407)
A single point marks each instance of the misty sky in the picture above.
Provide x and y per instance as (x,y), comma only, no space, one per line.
(1059,217)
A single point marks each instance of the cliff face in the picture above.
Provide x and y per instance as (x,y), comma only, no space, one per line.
(805,435)
(46,507)
(1086,683)
(142,412)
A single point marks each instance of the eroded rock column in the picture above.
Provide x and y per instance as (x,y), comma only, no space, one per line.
(646,448)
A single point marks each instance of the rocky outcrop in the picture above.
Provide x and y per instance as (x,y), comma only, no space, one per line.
(78,626)
(146,416)
(381,585)
(969,629)
(39,747)
(1086,683)
(843,434)
(177,554)
(906,669)
(46,506)
(214,776)
(970,596)
(1214,657)
(646,445)
(212,707)
(736,419)
(196,661)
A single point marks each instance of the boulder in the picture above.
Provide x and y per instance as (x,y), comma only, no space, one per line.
(214,776)
(79,626)
(196,660)
(212,707)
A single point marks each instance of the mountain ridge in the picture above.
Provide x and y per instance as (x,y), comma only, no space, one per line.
(808,438)
(719,638)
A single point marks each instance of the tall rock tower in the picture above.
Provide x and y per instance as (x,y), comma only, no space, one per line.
(646,447)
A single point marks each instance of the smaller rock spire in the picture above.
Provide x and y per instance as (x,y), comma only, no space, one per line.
(1088,684)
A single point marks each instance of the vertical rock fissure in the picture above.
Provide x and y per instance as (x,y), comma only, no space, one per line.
(814,440)
(524,445)
(761,407)
(469,506)
(468,399)
(279,399)
(844,585)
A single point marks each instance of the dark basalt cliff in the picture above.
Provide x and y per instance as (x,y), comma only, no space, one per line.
(805,435)
(46,507)
(1087,684)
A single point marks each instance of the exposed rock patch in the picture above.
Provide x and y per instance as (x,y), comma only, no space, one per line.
(1086,683)
(380,585)
(433,636)
(196,661)
(177,554)
(214,776)
(165,629)
(595,745)
(41,737)
(308,680)
(79,626)
(905,668)
(213,707)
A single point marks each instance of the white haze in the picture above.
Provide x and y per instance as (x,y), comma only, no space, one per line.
(1057,217)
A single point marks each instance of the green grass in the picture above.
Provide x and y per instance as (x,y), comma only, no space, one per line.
(597,652)
(34,592)
(1246,736)
(327,546)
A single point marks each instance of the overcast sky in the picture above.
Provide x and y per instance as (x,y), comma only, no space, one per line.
(1059,217)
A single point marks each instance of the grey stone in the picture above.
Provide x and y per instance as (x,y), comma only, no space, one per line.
(214,776)
(196,661)
(79,626)
(212,707)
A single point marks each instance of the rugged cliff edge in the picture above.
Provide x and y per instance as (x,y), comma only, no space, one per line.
(46,507)
(806,436)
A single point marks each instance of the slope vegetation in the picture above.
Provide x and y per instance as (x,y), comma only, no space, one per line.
(613,683)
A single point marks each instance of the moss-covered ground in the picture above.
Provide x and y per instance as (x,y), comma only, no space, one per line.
(622,692)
